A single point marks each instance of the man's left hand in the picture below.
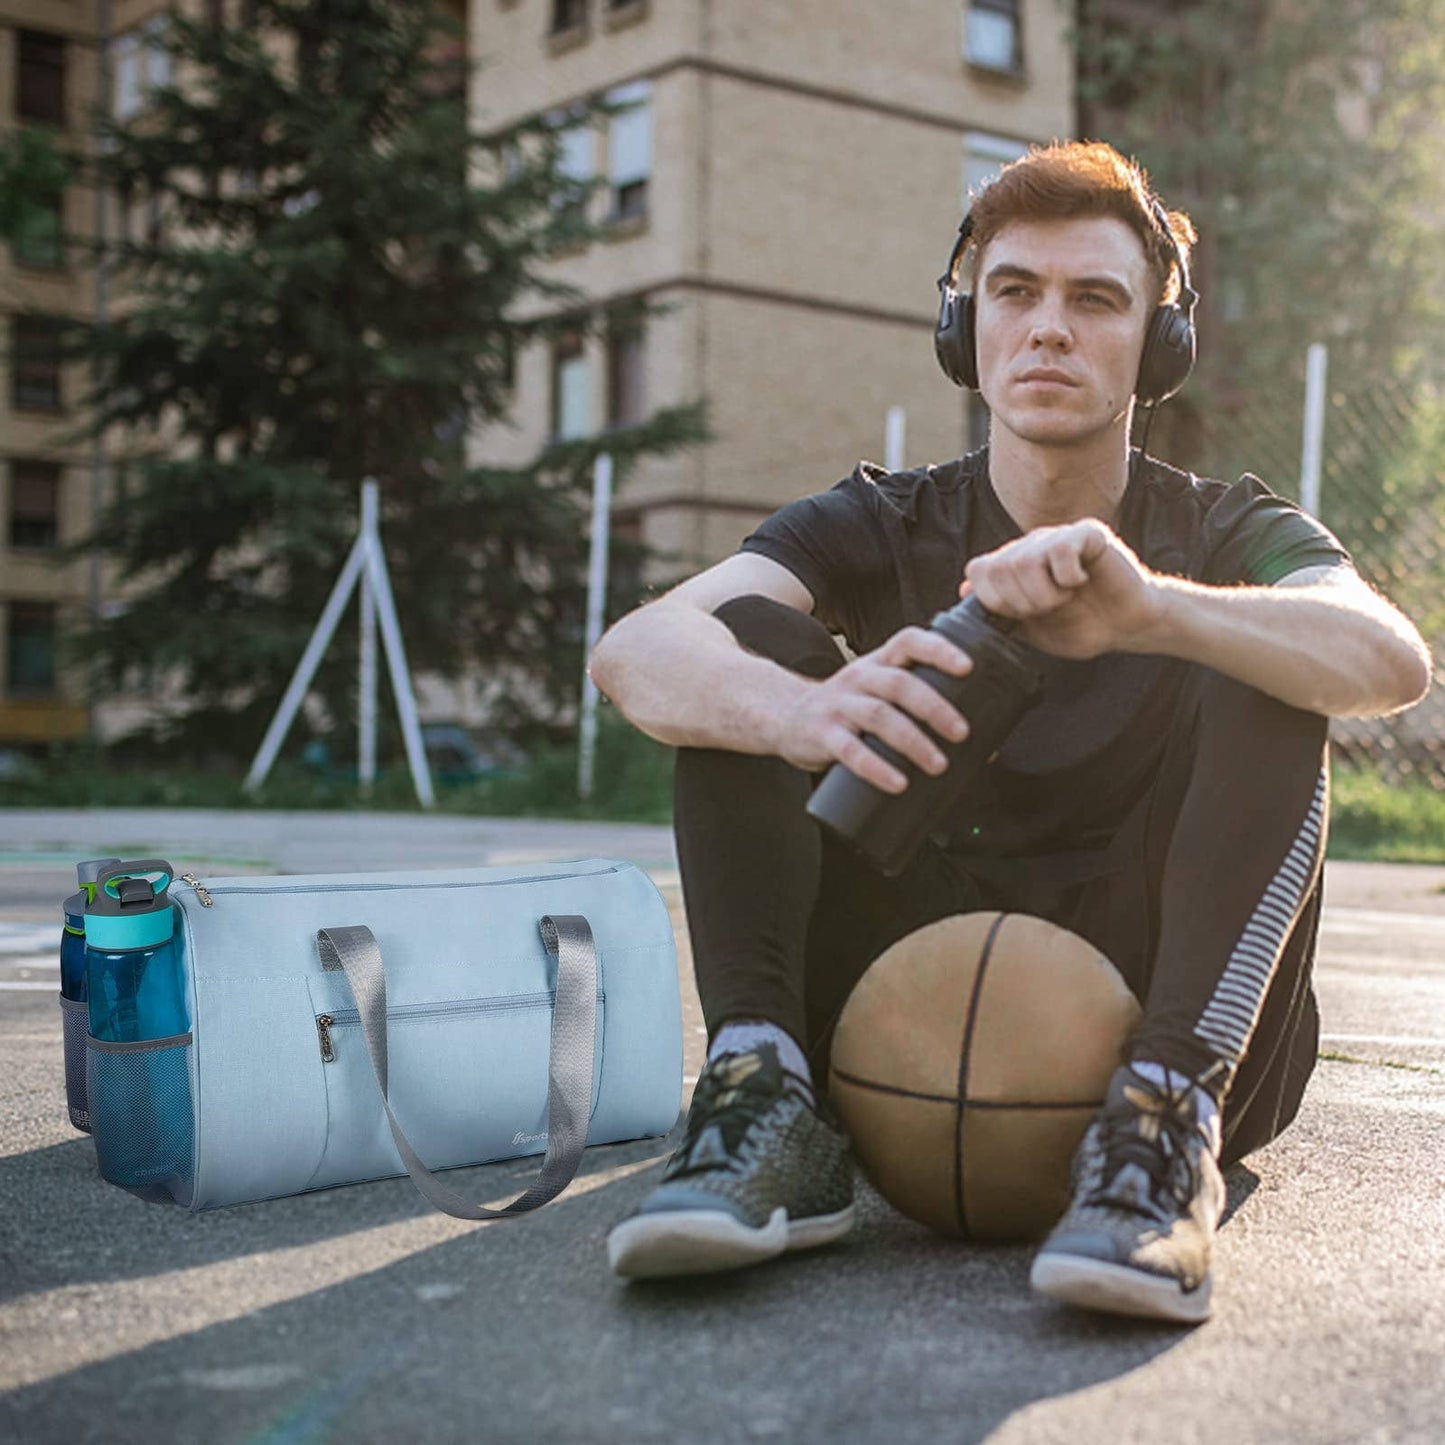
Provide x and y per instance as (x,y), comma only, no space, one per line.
(1078,589)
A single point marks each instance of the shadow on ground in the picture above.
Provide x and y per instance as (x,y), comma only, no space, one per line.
(515,1331)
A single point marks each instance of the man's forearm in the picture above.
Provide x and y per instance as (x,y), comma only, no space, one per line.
(1314,647)
(680,675)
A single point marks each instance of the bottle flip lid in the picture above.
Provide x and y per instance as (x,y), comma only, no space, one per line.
(90,870)
(131,907)
(74,910)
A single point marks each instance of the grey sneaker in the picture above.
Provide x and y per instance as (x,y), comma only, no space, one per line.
(1148,1194)
(760,1171)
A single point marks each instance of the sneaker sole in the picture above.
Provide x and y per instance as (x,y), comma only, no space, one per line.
(1097,1285)
(698,1241)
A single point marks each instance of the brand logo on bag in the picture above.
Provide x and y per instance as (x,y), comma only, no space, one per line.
(527,1138)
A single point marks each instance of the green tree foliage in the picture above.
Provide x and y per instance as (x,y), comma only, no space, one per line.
(324,277)
(1304,137)
(33,174)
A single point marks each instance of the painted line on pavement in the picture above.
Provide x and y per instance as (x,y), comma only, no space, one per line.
(1414,1041)
(1370,920)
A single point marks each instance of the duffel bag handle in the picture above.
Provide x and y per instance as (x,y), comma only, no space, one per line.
(355,952)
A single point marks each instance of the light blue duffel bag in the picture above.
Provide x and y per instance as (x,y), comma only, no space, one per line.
(351,1027)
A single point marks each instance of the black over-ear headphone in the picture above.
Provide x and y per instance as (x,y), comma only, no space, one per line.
(1169,346)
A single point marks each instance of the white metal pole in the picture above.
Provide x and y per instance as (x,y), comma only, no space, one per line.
(396,664)
(1316,359)
(306,668)
(596,600)
(895,430)
(366,710)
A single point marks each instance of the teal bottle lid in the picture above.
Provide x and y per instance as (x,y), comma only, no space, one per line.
(74,910)
(131,907)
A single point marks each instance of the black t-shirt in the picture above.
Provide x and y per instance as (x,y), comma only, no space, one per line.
(881,550)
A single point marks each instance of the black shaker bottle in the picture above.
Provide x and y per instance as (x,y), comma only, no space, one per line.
(887,828)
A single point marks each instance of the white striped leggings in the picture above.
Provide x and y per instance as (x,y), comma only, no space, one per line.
(1212,921)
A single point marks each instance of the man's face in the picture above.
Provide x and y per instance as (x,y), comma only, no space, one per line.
(1061,308)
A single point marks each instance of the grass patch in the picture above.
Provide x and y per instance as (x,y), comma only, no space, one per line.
(1386,822)
(1378,1063)
(632,782)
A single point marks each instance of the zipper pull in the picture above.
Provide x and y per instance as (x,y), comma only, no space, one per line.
(206,900)
(323,1029)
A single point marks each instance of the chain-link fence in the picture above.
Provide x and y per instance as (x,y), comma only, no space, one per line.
(1382,492)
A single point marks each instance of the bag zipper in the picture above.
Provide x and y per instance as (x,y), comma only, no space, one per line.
(348,1017)
(205,893)
(202,892)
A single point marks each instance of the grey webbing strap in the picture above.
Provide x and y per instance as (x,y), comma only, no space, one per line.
(354,950)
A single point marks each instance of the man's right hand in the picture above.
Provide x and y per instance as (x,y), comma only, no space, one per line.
(877,694)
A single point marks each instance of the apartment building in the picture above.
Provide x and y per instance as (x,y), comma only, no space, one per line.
(50,75)
(789,184)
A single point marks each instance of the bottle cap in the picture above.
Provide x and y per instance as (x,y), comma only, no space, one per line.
(74,910)
(90,870)
(131,907)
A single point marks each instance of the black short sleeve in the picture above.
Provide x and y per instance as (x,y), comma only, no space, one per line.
(1255,537)
(834,543)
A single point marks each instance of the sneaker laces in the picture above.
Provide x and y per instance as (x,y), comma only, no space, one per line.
(1150,1134)
(729,1100)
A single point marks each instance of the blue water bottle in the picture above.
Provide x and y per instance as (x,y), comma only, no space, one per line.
(73,1012)
(133,980)
(72,938)
(138,1054)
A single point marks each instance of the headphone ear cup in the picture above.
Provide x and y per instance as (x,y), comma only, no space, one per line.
(967,345)
(1168,355)
(953,339)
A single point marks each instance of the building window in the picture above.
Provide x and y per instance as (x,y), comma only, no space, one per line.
(140,63)
(571,390)
(617,13)
(625,368)
(34,504)
(40,78)
(574,168)
(38,232)
(30,649)
(568,15)
(35,364)
(629,150)
(984,156)
(991,37)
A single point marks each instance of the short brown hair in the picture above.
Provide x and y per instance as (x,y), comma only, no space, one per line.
(1082,178)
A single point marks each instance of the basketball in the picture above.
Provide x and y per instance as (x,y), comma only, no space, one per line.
(968,1062)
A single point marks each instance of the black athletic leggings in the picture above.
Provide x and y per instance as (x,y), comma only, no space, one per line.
(1210,914)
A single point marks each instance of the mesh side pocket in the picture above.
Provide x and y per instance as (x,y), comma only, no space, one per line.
(140,1114)
(75,1019)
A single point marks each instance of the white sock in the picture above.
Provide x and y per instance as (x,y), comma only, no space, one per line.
(739,1035)
(1204,1101)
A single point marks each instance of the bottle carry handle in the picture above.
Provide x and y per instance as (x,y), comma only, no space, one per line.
(141,869)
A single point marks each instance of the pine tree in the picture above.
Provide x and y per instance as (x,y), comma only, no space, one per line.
(1303,136)
(324,280)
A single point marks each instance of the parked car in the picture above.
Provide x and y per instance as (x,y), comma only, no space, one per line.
(456,754)
(16,766)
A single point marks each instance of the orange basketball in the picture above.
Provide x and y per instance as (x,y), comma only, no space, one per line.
(967,1064)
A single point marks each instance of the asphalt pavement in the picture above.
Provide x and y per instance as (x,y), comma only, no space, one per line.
(358,1314)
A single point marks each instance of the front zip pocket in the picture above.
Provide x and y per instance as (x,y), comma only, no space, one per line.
(468,1078)
(343,1018)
